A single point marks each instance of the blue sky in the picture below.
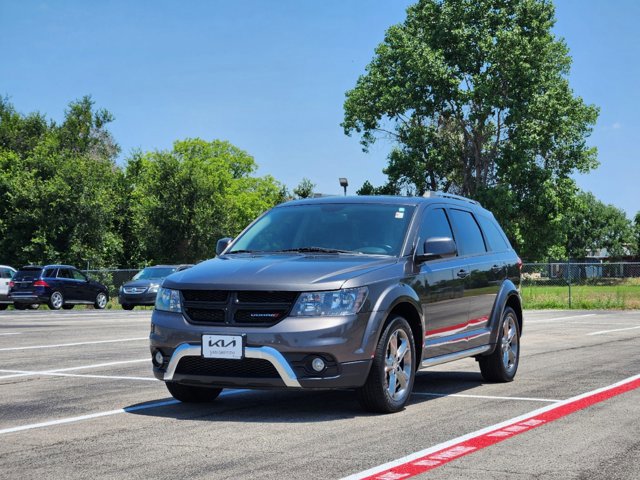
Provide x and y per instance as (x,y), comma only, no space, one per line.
(270,77)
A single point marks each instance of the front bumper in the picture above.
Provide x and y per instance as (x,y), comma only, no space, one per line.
(148,299)
(275,357)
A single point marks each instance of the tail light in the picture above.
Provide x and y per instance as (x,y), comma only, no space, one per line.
(12,284)
(40,283)
(519,264)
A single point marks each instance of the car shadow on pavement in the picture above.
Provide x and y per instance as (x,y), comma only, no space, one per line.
(249,406)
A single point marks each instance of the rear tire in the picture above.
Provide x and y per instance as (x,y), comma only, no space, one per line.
(502,364)
(20,306)
(56,301)
(191,394)
(3,306)
(390,381)
(126,306)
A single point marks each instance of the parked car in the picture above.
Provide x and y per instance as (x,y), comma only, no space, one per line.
(6,274)
(59,286)
(341,292)
(143,287)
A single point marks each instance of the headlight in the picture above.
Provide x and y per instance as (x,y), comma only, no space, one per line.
(168,300)
(334,303)
(153,288)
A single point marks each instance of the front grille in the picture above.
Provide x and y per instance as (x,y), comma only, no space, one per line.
(267,297)
(217,367)
(249,308)
(205,295)
(204,315)
(134,290)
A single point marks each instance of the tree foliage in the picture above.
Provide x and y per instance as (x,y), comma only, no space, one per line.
(475,95)
(304,189)
(592,225)
(182,201)
(57,183)
(64,198)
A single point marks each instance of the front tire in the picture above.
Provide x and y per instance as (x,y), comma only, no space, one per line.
(191,394)
(126,306)
(68,307)
(101,301)
(390,381)
(502,364)
(56,301)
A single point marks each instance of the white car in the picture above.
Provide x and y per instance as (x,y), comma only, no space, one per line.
(6,274)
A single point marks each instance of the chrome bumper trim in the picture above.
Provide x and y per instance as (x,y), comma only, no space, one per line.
(264,353)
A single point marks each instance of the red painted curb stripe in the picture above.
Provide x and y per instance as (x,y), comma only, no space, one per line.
(486,439)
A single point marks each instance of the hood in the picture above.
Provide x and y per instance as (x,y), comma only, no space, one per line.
(295,272)
(143,283)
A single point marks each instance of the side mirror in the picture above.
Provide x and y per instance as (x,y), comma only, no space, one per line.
(438,247)
(222,244)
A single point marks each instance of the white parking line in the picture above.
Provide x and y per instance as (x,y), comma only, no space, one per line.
(69,369)
(547,320)
(601,332)
(489,397)
(73,344)
(90,416)
(24,373)
(11,333)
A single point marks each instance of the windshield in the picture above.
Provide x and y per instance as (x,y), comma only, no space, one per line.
(359,228)
(27,274)
(152,273)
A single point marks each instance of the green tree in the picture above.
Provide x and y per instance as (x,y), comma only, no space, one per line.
(304,189)
(57,183)
(182,201)
(636,235)
(592,225)
(475,95)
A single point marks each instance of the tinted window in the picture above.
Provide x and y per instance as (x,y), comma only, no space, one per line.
(49,273)
(64,273)
(361,227)
(468,236)
(493,234)
(28,274)
(5,273)
(154,273)
(434,224)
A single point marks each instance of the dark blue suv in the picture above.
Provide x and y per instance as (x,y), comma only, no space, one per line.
(59,286)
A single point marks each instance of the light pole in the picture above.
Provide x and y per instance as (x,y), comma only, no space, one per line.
(344,183)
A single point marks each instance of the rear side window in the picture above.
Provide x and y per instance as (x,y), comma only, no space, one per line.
(78,275)
(28,274)
(493,234)
(64,273)
(434,224)
(468,235)
(49,273)
(5,273)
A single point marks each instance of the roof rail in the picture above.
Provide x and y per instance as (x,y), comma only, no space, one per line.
(431,193)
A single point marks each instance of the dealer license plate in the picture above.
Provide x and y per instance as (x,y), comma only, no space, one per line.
(222,346)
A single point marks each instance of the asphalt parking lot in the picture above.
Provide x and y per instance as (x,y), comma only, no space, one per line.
(78,400)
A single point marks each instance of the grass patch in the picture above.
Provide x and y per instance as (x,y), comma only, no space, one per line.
(619,295)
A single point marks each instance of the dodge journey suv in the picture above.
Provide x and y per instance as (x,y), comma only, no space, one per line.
(343,293)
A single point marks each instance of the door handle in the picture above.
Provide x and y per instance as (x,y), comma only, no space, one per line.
(463,274)
(496,268)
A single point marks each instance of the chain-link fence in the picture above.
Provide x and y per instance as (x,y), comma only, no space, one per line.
(581,285)
(112,279)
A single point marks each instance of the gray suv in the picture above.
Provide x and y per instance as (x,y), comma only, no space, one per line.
(343,292)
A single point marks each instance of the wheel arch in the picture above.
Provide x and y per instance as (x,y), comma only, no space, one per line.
(508,296)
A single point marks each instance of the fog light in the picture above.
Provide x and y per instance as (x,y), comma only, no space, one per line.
(318,364)
(158,358)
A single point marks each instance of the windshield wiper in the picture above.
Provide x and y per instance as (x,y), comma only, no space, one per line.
(244,251)
(315,250)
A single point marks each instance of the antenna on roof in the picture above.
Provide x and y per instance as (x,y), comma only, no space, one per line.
(433,194)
